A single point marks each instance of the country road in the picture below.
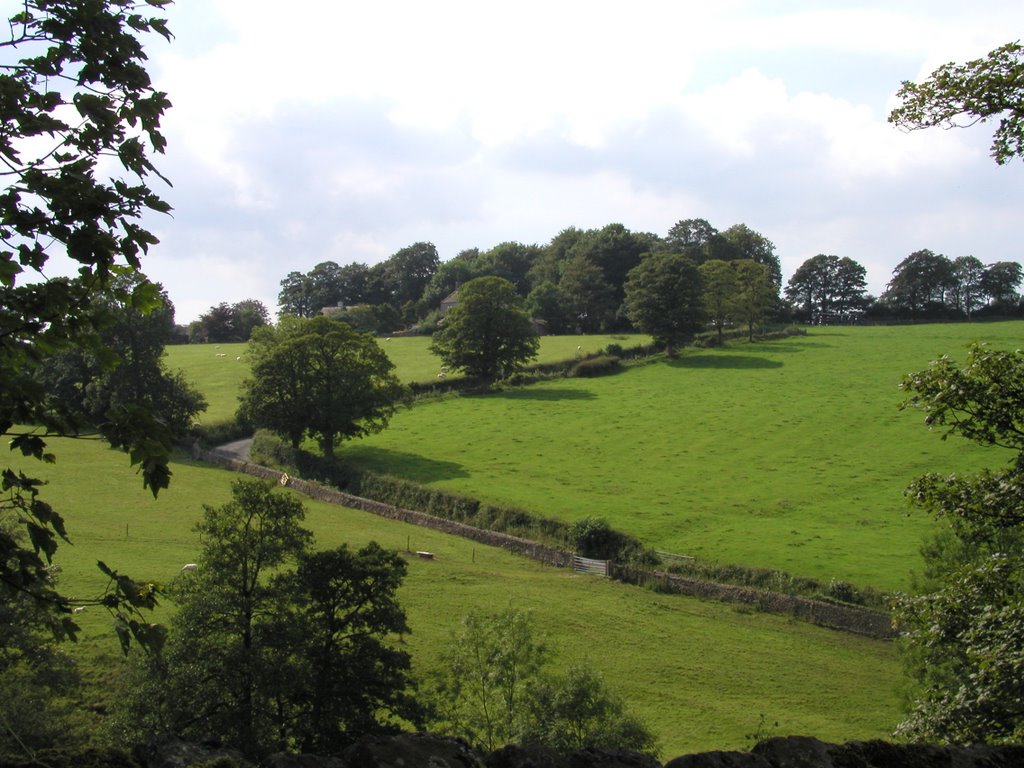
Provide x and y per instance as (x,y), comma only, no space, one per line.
(239,449)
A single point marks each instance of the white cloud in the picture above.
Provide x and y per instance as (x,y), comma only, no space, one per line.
(344,131)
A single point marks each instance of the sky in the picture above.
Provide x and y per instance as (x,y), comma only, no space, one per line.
(344,131)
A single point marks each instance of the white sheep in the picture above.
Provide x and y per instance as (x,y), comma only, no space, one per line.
(441,375)
(79,609)
(189,567)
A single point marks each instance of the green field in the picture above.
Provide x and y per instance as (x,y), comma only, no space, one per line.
(218,369)
(700,673)
(788,454)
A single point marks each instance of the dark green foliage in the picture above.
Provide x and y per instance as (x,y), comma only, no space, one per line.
(576,710)
(88,387)
(77,103)
(71,757)
(487,334)
(664,297)
(275,646)
(494,691)
(593,537)
(318,377)
(965,637)
(37,679)
(596,366)
(227,323)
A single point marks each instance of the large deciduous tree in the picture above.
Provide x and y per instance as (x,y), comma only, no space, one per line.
(79,119)
(919,283)
(664,297)
(959,95)
(828,289)
(227,323)
(487,334)
(966,637)
(1001,280)
(317,376)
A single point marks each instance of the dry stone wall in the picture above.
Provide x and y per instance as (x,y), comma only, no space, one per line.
(848,618)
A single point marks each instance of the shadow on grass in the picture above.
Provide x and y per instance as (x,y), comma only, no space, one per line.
(548,395)
(409,466)
(740,362)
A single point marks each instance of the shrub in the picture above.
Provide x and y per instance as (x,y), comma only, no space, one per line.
(595,366)
(221,432)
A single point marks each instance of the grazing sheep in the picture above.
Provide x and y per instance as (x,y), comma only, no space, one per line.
(189,567)
(441,375)
(79,609)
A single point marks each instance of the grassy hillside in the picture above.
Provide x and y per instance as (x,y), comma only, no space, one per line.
(218,369)
(790,454)
(700,673)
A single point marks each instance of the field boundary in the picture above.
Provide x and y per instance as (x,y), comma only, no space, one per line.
(847,618)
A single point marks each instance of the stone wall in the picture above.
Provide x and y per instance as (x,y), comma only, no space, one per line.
(844,617)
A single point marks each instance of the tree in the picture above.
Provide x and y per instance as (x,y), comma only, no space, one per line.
(688,237)
(296,296)
(576,711)
(275,646)
(968,273)
(589,297)
(755,247)
(547,303)
(89,389)
(494,691)
(229,323)
(340,606)
(489,665)
(487,334)
(317,376)
(36,678)
(828,289)
(719,281)
(961,95)
(965,638)
(511,261)
(1001,280)
(664,299)
(920,282)
(408,272)
(756,293)
(77,104)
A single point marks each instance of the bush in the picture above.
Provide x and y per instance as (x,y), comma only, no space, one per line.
(270,450)
(221,432)
(596,366)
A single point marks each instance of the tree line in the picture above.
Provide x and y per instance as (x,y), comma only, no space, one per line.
(576,283)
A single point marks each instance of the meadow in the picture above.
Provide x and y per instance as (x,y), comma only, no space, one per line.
(789,454)
(218,369)
(700,673)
